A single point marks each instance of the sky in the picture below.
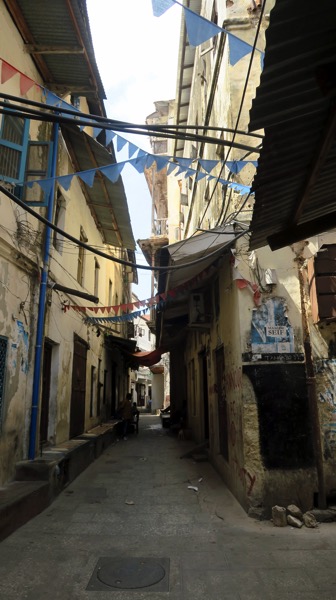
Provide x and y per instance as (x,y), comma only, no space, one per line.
(136,54)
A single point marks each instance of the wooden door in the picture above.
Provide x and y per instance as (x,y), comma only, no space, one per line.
(77,409)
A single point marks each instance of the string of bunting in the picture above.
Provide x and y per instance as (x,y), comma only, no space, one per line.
(200,30)
(157,301)
(137,157)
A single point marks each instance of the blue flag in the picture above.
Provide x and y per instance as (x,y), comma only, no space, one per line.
(160,6)
(199,30)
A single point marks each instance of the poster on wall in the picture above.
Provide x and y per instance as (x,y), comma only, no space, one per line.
(271,332)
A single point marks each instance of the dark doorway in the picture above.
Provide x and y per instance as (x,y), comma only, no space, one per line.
(222,404)
(45,394)
(113,389)
(204,391)
(77,409)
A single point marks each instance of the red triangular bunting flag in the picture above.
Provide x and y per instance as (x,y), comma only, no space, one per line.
(82,308)
(96,308)
(241,283)
(108,308)
(130,306)
(7,72)
(123,307)
(25,84)
(102,308)
(137,304)
(116,309)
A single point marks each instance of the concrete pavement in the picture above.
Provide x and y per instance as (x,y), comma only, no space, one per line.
(130,521)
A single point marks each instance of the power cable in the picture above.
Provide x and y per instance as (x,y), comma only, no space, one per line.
(97,119)
(50,118)
(103,254)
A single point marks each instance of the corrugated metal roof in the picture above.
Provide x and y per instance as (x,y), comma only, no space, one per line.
(296,176)
(107,200)
(64,25)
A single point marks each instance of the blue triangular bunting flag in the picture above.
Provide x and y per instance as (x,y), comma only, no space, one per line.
(131,149)
(208,165)
(52,99)
(200,176)
(138,163)
(199,30)
(109,136)
(87,176)
(96,132)
(150,160)
(161,162)
(45,185)
(112,172)
(160,6)
(120,142)
(65,181)
(184,162)
(171,168)
(237,49)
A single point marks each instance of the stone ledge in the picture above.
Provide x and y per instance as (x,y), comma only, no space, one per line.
(20,502)
(38,482)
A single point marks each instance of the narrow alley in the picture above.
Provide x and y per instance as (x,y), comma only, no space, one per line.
(130,526)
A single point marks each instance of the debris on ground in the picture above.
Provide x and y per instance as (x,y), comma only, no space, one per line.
(294,522)
(193,487)
(279,516)
(129,502)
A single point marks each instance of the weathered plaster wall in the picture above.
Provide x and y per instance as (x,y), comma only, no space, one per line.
(17,318)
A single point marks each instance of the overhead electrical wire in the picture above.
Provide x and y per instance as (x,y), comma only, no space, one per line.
(86,121)
(103,254)
(97,119)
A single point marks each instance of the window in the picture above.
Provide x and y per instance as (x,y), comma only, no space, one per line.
(23,160)
(149,335)
(3,352)
(37,167)
(13,142)
(81,258)
(96,277)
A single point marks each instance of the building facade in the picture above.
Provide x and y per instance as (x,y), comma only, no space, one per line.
(237,318)
(60,375)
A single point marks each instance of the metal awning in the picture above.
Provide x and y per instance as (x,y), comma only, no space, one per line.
(106,200)
(57,36)
(211,245)
(208,246)
(295,182)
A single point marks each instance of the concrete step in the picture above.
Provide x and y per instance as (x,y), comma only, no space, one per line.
(20,501)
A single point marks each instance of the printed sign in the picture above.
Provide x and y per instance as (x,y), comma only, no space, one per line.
(271,332)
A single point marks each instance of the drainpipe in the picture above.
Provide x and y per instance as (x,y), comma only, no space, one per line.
(312,393)
(42,305)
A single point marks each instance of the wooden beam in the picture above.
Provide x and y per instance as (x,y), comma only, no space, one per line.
(297,233)
(326,141)
(40,49)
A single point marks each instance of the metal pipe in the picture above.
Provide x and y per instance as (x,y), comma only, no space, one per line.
(42,305)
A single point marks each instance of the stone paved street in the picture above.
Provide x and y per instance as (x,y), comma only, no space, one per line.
(132,515)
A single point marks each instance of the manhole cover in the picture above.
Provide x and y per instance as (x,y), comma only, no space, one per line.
(130,574)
